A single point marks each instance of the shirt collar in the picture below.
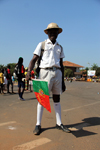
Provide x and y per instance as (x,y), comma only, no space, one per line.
(49,42)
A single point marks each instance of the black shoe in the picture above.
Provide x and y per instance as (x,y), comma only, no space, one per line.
(21,98)
(37,130)
(13,93)
(8,92)
(61,127)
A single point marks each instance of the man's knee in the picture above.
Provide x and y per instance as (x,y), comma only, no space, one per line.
(56,98)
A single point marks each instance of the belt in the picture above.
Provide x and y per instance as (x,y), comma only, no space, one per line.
(52,68)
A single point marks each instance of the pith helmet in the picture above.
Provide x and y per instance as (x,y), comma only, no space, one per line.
(52,26)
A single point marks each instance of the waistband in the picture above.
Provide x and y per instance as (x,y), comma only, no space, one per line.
(52,68)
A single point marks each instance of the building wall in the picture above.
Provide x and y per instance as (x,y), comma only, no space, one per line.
(77,69)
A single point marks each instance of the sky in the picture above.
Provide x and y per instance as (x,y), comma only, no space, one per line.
(22,24)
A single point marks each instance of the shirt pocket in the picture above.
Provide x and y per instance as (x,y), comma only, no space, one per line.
(47,52)
(58,53)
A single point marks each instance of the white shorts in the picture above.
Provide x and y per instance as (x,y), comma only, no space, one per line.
(54,79)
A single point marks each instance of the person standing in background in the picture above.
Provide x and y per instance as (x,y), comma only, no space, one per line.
(1,81)
(9,80)
(30,80)
(5,79)
(26,81)
(20,70)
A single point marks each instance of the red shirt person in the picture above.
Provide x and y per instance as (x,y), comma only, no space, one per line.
(9,80)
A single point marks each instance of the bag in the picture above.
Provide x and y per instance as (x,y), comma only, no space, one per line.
(17,73)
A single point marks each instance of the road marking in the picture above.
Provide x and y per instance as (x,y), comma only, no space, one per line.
(79,127)
(11,128)
(6,123)
(32,144)
(82,106)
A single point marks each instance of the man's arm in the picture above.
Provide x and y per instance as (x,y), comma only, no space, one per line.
(31,66)
(62,70)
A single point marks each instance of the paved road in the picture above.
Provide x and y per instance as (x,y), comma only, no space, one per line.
(80,112)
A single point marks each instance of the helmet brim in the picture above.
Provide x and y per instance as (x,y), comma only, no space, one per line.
(59,30)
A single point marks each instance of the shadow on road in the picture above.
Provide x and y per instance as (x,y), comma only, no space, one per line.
(28,99)
(77,129)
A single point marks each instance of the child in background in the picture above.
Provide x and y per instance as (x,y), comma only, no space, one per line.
(5,79)
(1,81)
(30,80)
(26,81)
(13,79)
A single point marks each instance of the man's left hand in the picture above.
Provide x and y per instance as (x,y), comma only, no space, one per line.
(63,86)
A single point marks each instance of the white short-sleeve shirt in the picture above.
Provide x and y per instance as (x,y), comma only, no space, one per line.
(52,54)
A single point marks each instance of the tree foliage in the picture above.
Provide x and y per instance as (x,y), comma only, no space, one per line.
(86,68)
(98,71)
(12,67)
(1,66)
(68,73)
(94,67)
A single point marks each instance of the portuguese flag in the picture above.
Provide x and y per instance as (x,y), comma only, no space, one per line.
(42,93)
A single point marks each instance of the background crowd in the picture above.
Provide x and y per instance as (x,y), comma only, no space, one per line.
(9,78)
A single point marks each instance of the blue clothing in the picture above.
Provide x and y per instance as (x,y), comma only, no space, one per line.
(21,84)
(13,79)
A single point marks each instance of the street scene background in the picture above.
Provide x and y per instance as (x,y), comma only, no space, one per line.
(80,112)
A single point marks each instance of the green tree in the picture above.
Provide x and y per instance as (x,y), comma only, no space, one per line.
(94,67)
(1,66)
(85,71)
(86,68)
(68,73)
(98,71)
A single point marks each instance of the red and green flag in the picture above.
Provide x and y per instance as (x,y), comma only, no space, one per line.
(42,93)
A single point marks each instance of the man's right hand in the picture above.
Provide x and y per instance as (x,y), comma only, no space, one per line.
(28,75)
(31,66)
